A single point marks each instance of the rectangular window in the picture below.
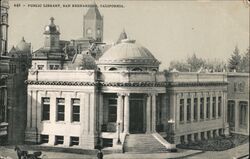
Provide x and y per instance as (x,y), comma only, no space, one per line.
(231,113)
(53,67)
(44,139)
(74,141)
(195,108)
(208,108)
(75,110)
(188,109)
(214,107)
(182,138)
(59,140)
(112,110)
(196,137)
(243,113)
(181,110)
(45,108)
(189,137)
(208,134)
(60,109)
(202,108)
(40,67)
(219,106)
(202,135)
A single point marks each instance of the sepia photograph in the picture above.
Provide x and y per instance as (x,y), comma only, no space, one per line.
(124,79)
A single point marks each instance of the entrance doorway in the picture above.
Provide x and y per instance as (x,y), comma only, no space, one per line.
(136,116)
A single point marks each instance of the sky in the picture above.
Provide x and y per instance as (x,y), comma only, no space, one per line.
(171,30)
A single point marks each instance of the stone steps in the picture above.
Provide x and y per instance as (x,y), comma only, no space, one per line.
(142,143)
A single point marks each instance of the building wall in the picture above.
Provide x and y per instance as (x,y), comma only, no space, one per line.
(238,93)
(85,129)
(195,89)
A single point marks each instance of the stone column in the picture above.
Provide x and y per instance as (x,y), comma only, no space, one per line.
(148,113)
(153,112)
(53,108)
(185,108)
(68,109)
(66,141)
(205,107)
(199,135)
(177,111)
(100,111)
(34,109)
(39,116)
(211,107)
(126,113)
(192,107)
(119,106)
(29,107)
(52,139)
(198,107)
(205,135)
(192,137)
(236,115)
(216,106)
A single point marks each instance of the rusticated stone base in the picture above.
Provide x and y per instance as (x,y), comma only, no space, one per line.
(31,136)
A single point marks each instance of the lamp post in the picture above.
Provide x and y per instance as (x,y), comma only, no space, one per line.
(118,140)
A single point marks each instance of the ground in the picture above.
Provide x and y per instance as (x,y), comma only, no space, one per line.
(219,143)
(236,152)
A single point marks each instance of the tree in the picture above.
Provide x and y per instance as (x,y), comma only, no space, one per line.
(244,66)
(235,60)
(215,64)
(195,63)
(179,65)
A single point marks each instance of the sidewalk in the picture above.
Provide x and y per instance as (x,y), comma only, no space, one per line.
(191,154)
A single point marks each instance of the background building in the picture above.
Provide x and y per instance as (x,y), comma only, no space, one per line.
(4,69)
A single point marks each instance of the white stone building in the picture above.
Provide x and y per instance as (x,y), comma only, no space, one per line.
(125,99)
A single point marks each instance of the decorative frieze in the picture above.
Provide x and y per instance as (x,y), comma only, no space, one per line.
(190,84)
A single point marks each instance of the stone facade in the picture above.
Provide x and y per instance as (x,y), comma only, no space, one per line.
(238,102)
(115,103)
(197,105)
(125,93)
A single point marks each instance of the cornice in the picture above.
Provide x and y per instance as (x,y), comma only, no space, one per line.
(127,84)
(190,84)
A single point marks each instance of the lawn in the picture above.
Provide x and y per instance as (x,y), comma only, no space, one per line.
(219,143)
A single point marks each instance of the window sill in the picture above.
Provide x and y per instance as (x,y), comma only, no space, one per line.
(75,122)
(60,122)
(45,121)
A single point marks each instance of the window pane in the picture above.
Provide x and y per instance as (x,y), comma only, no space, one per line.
(181,109)
(208,107)
(202,108)
(188,109)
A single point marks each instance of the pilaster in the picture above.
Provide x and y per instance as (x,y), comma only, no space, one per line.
(148,129)
(126,113)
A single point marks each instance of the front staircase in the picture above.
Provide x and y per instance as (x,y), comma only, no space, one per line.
(143,143)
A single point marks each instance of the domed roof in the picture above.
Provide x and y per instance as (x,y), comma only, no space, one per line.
(23,46)
(52,28)
(128,52)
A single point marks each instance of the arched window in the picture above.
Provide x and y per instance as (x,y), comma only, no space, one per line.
(136,69)
(112,69)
